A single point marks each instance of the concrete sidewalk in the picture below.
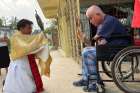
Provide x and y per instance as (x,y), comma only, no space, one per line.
(63,72)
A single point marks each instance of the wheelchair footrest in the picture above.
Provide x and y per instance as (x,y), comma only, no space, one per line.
(92,77)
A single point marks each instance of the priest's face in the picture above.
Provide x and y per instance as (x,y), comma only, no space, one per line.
(27,29)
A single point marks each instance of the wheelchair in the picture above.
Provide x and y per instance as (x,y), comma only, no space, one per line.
(120,63)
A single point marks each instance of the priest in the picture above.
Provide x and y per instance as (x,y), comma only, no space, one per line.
(23,75)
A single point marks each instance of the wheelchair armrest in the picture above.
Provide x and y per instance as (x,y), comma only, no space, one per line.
(125,37)
(107,52)
(119,46)
(111,47)
(121,36)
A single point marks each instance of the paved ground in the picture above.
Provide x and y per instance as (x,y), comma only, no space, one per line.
(64,72)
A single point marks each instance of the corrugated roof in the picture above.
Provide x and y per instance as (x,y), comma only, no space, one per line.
(49,7)
(87,3)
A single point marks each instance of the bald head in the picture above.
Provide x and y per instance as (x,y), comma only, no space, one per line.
(93,10)
(95,14)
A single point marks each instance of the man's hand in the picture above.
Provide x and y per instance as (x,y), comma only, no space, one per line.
(96,37)
(102,42)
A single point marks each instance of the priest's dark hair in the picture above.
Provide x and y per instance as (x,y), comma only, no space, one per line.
(23,22)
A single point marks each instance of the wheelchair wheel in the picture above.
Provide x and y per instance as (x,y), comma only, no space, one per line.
(106,66)
(126,62)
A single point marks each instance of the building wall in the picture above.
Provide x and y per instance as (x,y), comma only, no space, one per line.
(67,29)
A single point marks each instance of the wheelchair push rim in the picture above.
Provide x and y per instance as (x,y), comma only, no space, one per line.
(117,73)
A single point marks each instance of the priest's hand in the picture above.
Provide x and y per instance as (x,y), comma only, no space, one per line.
(5,39)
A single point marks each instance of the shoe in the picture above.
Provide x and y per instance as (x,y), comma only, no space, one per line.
(91,88)
(80,83)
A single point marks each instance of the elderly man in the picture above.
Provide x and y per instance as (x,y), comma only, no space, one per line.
(106,27)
